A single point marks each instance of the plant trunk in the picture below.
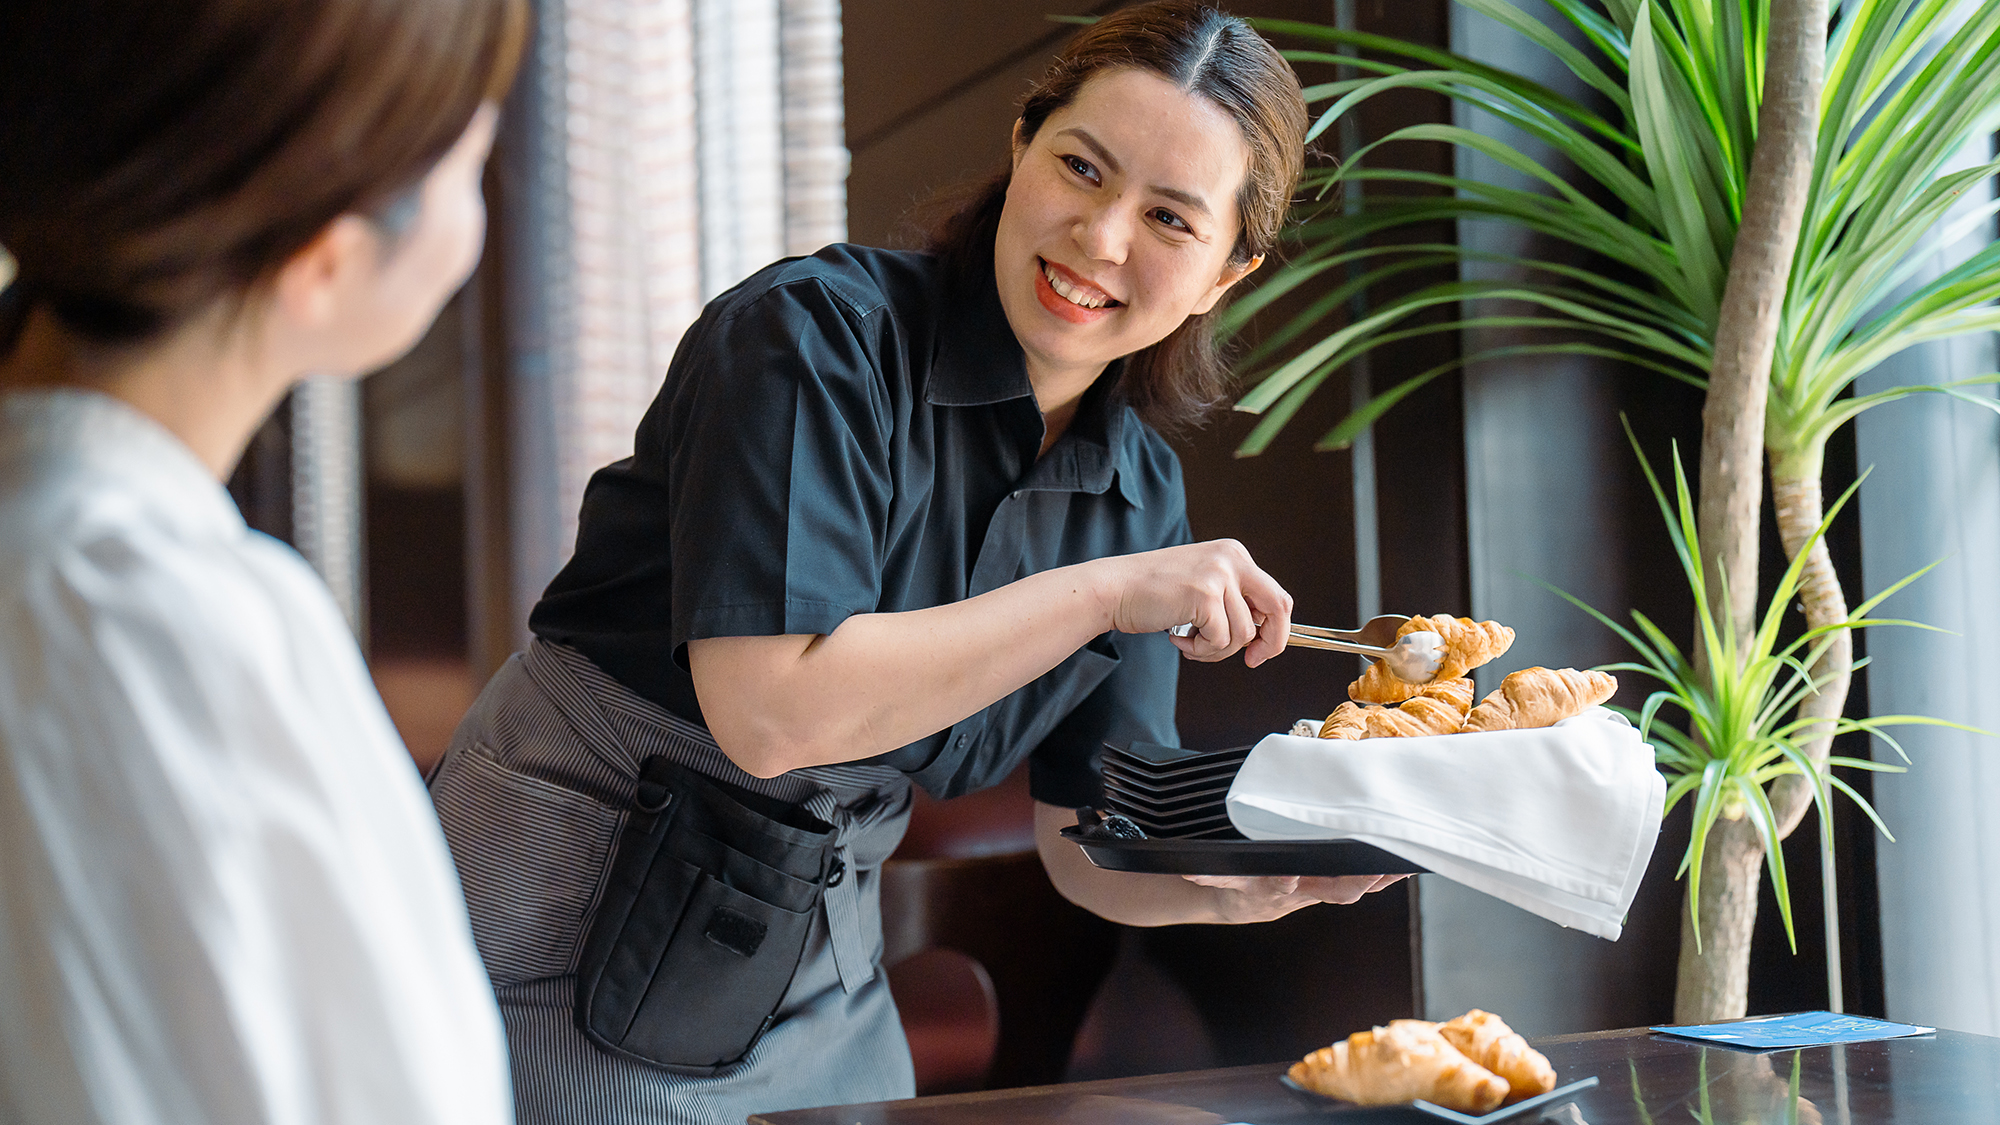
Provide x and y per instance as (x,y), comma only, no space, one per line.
(1753,297)
(1797,497)
(1713,982)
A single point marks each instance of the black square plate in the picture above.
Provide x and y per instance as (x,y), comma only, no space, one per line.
(1151,757)
(1179,786)
(1422,1111)
(1124,797)
(1173,823)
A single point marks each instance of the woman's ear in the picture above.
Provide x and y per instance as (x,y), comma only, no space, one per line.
(1231,274)
(1019,142)
(314,282)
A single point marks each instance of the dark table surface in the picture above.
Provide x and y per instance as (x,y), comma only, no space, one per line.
(1948,1078)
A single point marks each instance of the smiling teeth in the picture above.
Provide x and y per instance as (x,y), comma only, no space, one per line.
(1071,293)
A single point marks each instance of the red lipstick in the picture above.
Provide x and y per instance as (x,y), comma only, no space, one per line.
(1061,305)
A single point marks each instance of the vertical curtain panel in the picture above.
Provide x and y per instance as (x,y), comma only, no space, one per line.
(1933,496)
(658,152)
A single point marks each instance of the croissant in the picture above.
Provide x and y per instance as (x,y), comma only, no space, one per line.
(1348,721)
(1467,645)
(1404,1061)
(1441,709)
(1540,697)
(1455,692)
(1487,1040)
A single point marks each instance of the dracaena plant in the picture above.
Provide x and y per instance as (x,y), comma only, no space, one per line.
(1649,187)
(1722,738)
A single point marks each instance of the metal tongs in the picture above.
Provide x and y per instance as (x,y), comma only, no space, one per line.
(1413,658)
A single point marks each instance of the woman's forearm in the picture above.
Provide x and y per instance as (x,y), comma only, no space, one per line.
(884,680)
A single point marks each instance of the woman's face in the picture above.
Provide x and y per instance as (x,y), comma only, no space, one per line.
(386,304)
(1118,224)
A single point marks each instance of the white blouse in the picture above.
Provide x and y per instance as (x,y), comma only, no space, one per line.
(224,896)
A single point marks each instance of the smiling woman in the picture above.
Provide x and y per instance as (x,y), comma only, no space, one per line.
(1209,88)
(895,518)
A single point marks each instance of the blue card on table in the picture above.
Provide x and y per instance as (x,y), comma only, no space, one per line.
(1801,1029)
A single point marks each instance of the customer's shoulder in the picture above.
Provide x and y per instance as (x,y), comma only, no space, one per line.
(79,468)
(88,529)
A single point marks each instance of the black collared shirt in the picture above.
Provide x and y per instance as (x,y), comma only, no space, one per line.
(851,433)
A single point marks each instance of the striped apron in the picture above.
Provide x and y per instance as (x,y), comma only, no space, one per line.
(532,795)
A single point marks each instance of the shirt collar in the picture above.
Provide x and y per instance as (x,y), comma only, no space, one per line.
(101,433)
(978,362)
(1093,451)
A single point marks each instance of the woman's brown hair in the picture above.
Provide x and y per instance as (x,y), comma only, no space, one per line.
(159,155)
(1202,50)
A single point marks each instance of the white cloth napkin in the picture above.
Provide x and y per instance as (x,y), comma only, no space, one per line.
(1558,821)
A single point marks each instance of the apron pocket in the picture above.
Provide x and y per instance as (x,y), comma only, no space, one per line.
(723,976)
(702,924)
(529,854)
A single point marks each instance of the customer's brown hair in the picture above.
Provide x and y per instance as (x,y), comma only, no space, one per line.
(1202,50)
(159,155)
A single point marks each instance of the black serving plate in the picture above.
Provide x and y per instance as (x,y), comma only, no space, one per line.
(1241,857)
(1182,826)
(1150,757)
(1422,1111)
(1172,791)
(1119,794)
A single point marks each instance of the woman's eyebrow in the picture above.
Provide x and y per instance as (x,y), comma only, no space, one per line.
(1103,154)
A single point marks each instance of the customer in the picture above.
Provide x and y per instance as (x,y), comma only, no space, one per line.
(223,895)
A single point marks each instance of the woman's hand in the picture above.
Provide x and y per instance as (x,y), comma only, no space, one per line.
(1233,605)
(1265,898)
(1165,900)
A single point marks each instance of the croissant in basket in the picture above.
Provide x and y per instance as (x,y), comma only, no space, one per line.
(1440,709)
(1540,697)
(1467,645)
(1404,1061)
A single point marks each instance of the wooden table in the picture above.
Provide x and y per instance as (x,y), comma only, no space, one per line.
(1949,1078)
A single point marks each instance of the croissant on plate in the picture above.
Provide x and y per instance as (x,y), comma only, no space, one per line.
(1404,1061)
(1540,697)
(1487,1040)
(1467,645)
(1440,709)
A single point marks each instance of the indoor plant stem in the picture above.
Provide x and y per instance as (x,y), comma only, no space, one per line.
(1713,982)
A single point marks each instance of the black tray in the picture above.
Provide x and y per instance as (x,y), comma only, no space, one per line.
(1241,857)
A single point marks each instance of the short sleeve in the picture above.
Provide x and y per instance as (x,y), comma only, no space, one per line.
(777,443)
